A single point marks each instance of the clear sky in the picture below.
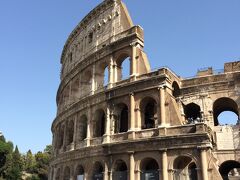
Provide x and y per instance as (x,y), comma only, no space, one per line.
(183,35)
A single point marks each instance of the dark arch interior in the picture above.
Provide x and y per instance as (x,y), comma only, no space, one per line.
(83,128)
(67,173)
(99,123)
(192,168)
(149,109)
(70,132)
(221,105)
(120,166)
(98,168)
(124,119)
(176,89)
(149,165)
(192,112)
(226,167)
(79,170)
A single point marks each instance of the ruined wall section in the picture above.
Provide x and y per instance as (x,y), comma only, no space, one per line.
(94,32)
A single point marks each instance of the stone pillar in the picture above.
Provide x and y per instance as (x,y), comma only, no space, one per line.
(75,132)
(204,165)
(132,166)
(132,117)
(107,132)
(106,176)
(111,73)
(89,127)
(133,60)
(93,79)
(65,138)
(164,165)
(162,105)
(132,112)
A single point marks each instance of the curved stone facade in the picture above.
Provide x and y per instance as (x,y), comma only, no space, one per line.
(150,125)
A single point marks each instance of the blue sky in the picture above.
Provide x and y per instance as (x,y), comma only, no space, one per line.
(184,35)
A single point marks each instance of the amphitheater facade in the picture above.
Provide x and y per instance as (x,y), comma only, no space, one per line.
(152,125)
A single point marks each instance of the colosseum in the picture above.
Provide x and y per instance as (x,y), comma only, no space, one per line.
(150,125)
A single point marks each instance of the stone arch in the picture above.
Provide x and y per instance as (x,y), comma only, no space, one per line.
(122,118)
(120,170)
(148,109)
(86,82)
(70,132)
(192,112)
(224,104)
(121,58)
(185,167)
(61,136)
(66,173)
(149,167)
(97,171)
(79,172)
(99,123)
(100,69)
(75,87)
(229,168)
(175,89)
(82,128)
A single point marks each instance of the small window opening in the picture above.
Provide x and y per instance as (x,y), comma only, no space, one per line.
(192,113)
(106,76)
(90,37)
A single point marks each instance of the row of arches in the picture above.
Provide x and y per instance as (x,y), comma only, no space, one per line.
(225,111)
(95,78)
(119,117)
(149,169)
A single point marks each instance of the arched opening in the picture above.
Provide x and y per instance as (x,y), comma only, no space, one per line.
(61,135)
(86,83)
(148,108)
(221,111)
(79,173)
(121,118)
(57,177)
(192,113)
(70,132)
(123,67)
(66,175)
(98,171)
(176,89)
(66,93)
(101,75)
(82,128)
(75,89)
(184,168)
(99,123)
(149,169)
(106,77)
(230,170)
(192,169)
(120,171)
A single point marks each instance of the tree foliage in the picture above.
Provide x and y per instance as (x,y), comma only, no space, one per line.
(15,166)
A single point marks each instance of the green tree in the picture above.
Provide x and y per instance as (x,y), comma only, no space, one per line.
(6,149)
(42,165)
(15,166)
(29,162)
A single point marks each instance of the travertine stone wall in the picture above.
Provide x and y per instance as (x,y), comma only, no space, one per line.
(151,122)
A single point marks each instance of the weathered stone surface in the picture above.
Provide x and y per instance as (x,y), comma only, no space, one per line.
(150,119)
